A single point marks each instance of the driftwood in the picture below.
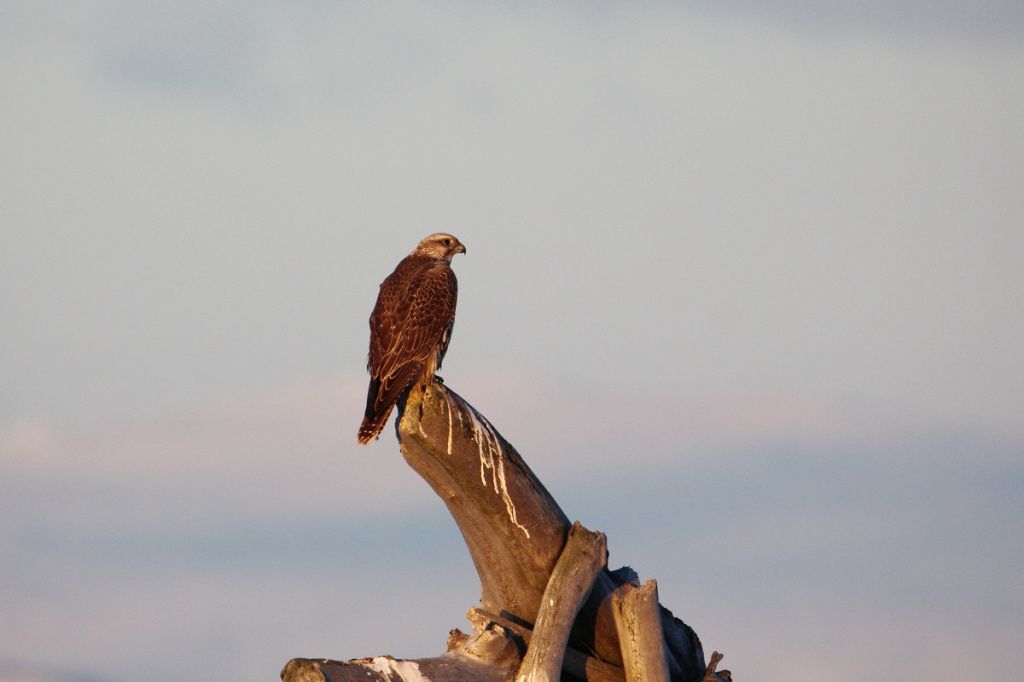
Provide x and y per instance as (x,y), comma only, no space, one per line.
(547,601)
(640,637)
(584,555)
(716,676)
(574,663)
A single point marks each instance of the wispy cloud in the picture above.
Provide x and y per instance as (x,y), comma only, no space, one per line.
(724,206)
(974,20)
(215,49)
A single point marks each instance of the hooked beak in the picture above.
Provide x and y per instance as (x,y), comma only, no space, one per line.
(460,248)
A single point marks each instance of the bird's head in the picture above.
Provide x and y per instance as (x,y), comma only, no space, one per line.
(440,245)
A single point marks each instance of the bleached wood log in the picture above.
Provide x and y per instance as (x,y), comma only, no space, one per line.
(582,558)
(489,655)
(638,618)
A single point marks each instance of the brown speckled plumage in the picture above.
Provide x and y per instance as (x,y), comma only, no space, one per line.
(410,327)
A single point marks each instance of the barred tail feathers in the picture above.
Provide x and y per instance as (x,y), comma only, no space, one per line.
(382,396)
(373,425)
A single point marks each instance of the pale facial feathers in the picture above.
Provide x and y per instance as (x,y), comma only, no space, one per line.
(440,245)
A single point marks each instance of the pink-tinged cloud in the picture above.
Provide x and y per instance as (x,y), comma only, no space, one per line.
(564,427)
(290,452)
(280,453)
(306,431)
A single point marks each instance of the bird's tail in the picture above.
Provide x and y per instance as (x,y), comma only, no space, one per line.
(373,425)
(376,415)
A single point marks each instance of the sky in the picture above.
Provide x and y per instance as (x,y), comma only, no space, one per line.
(743,286)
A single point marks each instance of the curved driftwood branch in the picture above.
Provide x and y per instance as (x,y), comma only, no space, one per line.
(512,526)
(517,536)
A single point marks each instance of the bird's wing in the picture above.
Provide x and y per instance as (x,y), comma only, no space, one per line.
(414,310)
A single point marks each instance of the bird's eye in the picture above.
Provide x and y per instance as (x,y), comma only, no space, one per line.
(447,242)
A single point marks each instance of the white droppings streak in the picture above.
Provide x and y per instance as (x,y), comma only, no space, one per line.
(494,460)
(494,455)
(448,400)
(478,437)
(407,671)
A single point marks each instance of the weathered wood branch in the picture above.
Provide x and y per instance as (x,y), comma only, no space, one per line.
(517,538)
(643,644)
(512,526)
(491,654)
(584,555)
(714,675)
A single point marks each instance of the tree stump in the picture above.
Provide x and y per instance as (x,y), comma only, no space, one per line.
(549,607)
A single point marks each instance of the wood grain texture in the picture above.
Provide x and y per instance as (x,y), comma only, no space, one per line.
(582,558)
(513,528)
(638,618)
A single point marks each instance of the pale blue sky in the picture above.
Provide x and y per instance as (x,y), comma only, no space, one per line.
(766,254)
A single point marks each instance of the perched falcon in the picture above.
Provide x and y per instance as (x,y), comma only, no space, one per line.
(410,327)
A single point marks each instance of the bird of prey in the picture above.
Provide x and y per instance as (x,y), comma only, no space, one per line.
(410,327)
